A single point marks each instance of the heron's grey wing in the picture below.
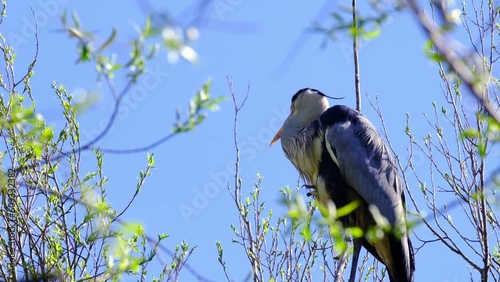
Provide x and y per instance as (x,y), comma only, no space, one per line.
(364,161)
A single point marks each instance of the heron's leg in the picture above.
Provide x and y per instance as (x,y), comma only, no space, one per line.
(356,244)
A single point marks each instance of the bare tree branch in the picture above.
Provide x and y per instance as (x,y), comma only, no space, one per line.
(355,56)
(474,82)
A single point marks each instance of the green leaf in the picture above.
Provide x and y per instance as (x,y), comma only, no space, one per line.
(341,245)
(371,34)
(481,148)
(469,133)
(207,85)
(36,148)
(108,42)
(22,115)
(493,125)
(47,135)
(294,213)
(347,209)
(85,52)
(147,28)
(355,232)
(135,265)
(64,19)
(76,20)
(422,187)
(355,31)
(431,53)
(306,233)
(450,220)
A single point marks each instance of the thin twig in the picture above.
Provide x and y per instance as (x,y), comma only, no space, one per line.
(444,238)
(355,54)
(32,65)
(150,239)
(245,225)
(342,259)
(341,266)
(140,149)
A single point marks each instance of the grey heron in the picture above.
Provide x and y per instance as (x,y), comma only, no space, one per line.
(339,153)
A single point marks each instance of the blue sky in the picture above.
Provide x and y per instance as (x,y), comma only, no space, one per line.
(249,42)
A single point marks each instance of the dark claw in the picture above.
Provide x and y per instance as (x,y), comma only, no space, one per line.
(309,186)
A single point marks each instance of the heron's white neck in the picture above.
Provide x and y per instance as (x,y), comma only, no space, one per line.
(305,116)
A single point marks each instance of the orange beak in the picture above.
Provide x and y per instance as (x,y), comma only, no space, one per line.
(277,136)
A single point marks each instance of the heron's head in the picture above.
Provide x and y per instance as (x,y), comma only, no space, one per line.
(307,105)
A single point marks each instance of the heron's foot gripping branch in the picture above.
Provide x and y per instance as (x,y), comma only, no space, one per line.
(310,187)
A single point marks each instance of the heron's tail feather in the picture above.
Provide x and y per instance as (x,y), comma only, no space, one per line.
(403,261)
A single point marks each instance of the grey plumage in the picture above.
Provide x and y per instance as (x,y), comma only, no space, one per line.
(339,152)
